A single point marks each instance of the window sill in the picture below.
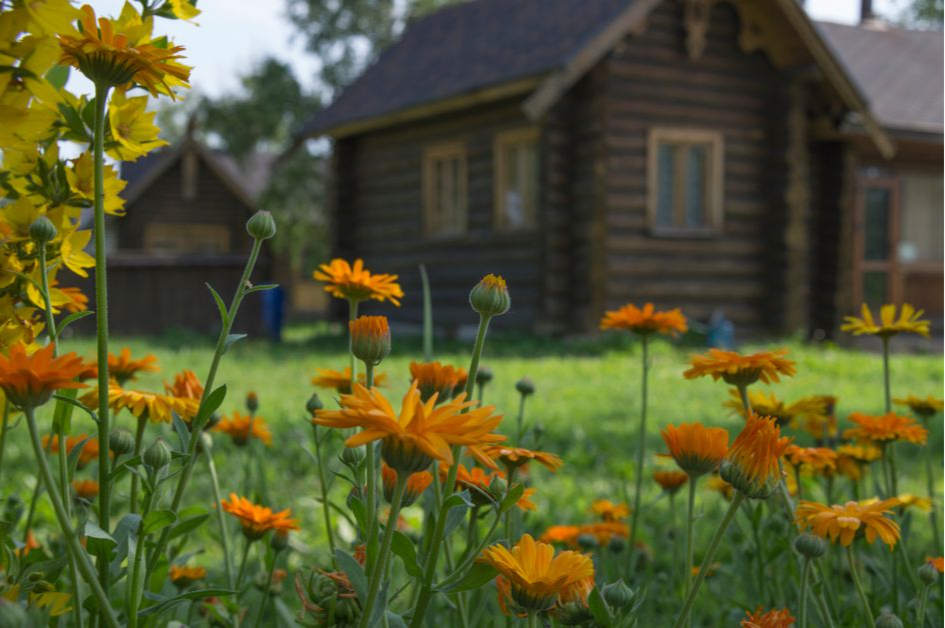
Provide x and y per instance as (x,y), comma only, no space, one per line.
(707,233)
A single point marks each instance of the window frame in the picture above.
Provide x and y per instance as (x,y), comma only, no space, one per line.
(155,232)
(715,179)
(433,154)
(502,141)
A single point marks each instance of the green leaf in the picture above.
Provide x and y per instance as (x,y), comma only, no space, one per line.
(355,573)
(73,318)
(183,434)
(458,499)
(230,339)
(407,551)
(72,461)
(357,508)
(124,467)
(599,609)
(170,604)
(57,76)
(98,541)
(220,305)
(210,405)
(262,288)
(394,620)
(478,575)
(511,497)
(126,535)
(62,415)
(454,518)
(157,520)
(187,525)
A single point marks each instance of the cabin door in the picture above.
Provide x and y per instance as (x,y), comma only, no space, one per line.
(876,236)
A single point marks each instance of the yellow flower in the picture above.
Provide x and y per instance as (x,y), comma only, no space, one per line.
(183,9)
(741,370)
(645,321)
(186,385)
(420,433)
(80,178)
(886,428)
(50,17)
(355,283)
(924,408)
(909,321)
(717,484)
(609,511)
(341,380)
(847,521)
(695,448)
(155,407)
(770,405)
(123,368)
(908,500)
(133,128)
(72,252)
(433,377)
(751,466)
(57,603)
(534,575)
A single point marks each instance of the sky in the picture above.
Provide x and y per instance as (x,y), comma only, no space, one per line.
(231,35)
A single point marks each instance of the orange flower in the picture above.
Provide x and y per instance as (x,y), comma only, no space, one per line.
(811,459)
(421,432)
(477,481)
(671,481)
(356,284)
(341,380)
(924,408)
(525,503)
(851,459)
(370,338)
(85,489)
(77,301)
(182,576)
(741,370)
(30,545)
(518,456)
(751,466)
(417,483)
(850,520)
(695,448)
(435,378)
(909,321)
(238,428)
(772,619)
(605,531)
(564,534)
(936,561)
(29,381)
(769,405)
(186,385)
(89,450)
(609,511)
(257,520)
(885,428)
(103,54)
(645,321)
(123,368)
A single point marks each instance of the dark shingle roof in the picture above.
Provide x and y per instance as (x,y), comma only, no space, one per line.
(898,70)
(467,47)
(482,43)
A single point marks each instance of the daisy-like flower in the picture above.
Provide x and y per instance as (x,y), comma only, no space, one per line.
(123,368)
(416,484)
(671,481)
(936,561)
(85,489)
(741,370)
(241,428)
(564,534)
(484,490)
(769,405)
(255,520)
(29,381)
(645,321)
(845,522)
(775,618)
(695,448)
(182,576)
(610,511)
(156,407)
(89,450)
(340,381)
(533,576)
(885,429)
(605,531)
(436,378)
(186,385)
(751,465)
(924,408)
(355,283)
(420,433)
(514,457)
(909,321)
(107,56)
(851,459)
(908,500)
(811,459)
(717,484)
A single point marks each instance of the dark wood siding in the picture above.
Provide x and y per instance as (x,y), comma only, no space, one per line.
(651,81)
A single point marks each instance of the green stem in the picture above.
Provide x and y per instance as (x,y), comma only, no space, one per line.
(352,315)
(707,559)
(239,578)
(139,445)
(266,594)
(101,319)
(371,472)
(134,587)
(211,376)
(221,520)
(378,574)
(3,432)
(690,523)
(859,587)
(520,432)
(84,564)
(326,508)
(429,571)
(510,474)
(427,316)
(50,317)
(641,451)
(886,383)
(923,601)
(802,607)
(67,503)
(674,535)
(929,481)
(532,620)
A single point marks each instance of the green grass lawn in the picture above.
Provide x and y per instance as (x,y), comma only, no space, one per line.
(587,407)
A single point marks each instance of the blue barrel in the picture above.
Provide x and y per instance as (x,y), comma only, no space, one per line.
(273,302)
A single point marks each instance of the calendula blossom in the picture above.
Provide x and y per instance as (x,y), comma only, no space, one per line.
(157,407)
(811,459)
(844,522)
(695,448)
(340,381)
(610,511)
(670,481)
(255,520)
(885,429)
(85,489)
(186,385)
(775,618)
(741,370)
(29,381)
(241,428)
(417,483)
(924,407)
(646,320)
(355,283)
(889,325)
(436,378)
(518,456)
(751,465)
(182,576)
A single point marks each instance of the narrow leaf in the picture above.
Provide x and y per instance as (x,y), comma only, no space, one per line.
(98,541)
(262,288)
(213,401)
(187,525)
(405,549)
(478,575)
(220,304)
(230,339)
(599,609)
(511,498)
(157,520)
(355,573)
(183,434)
(73,318)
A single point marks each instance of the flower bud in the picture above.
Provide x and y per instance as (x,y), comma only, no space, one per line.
(888,620)
(587,542)
(484,375)
(810,546)
(280,540)
(352,456)
(490,297)
(573,614)
(928,574)
(617,545)
(42,586)
(157,455)
(42,231)
(370,339)
(252,402)
(36,576)
(313,404)
(525,387)
(261,226)
(618,595)
(121,442)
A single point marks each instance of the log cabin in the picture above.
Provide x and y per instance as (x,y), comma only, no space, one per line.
(715,155)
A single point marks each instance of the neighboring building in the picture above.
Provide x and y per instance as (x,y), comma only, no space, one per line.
(706,154)
(185,227)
